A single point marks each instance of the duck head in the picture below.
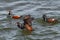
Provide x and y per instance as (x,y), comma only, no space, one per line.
(44,17)
(9,12)
(27,17)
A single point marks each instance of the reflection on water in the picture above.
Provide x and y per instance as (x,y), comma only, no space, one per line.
(9,30)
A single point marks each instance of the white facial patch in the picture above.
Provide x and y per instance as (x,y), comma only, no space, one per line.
(53,19)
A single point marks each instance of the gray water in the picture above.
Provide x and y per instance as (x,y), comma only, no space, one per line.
(9,30)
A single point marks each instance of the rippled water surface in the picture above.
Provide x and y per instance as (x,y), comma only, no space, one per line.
(9,30)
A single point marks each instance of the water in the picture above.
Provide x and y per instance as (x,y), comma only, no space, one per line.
(9,31)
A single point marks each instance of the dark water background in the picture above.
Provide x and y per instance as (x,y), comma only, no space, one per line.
(9,31)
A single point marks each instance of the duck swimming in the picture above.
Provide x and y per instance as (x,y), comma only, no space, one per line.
(13,16)
(27,23)
(26,26)
(49,20)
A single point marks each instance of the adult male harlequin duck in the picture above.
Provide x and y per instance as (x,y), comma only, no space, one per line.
(49,20)
(13,16)
(26,26)
(27,23)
